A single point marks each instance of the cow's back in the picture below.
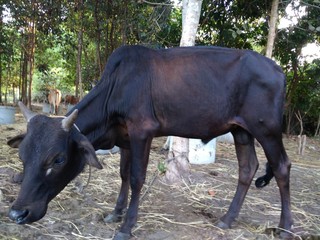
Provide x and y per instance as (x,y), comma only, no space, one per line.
(187,86)
(215,84)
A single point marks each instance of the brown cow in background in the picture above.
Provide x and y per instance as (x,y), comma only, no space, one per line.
(54,99)
(71,99)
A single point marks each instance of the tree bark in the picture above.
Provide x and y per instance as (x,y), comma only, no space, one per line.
(1,51)
(32,43)
(272,28)
(79,55)
(98,37)
(191,10)
(24,76)
(317,132)
(124,23)
(178,166)
(79,65)
(8,80)
(0,76)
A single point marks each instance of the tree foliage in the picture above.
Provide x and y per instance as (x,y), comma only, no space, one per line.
(303,81)
(45,56)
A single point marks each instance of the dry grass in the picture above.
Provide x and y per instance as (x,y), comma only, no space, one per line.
(186,211)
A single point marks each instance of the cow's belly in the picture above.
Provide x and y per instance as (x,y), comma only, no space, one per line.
(201,126)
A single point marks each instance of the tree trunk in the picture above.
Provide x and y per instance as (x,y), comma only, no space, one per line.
(272,28)
(111,35)
(108,23)
(106,51)
(178,167)
(1,50)
(317,132)
(79,89)
(301,137)
(24,76)
(6,85)
(20,77)
(8,80)
(98,37)
(32,42)
(14,93)
(191,10)
(124,24)
(0,76)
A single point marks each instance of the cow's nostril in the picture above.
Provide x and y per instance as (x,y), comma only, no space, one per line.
(18,215)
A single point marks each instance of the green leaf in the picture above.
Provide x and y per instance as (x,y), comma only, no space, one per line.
(162,167)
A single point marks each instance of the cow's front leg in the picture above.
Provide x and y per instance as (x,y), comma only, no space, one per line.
(120,209)
(139,160)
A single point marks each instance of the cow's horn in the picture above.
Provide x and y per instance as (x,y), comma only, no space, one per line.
(68,122)
(27,113)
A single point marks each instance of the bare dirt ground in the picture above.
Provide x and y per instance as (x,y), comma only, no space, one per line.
(188,211)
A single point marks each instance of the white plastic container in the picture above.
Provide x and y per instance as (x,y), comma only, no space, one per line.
(200,153)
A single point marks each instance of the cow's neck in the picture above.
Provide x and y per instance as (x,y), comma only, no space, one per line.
(92,117)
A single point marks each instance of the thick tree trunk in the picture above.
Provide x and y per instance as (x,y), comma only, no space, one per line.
(272,28)
(178,165)
(191,10)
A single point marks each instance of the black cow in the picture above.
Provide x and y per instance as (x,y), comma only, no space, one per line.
(193,92)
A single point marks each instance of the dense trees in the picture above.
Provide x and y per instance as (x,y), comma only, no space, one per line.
(82,34)
(65,44)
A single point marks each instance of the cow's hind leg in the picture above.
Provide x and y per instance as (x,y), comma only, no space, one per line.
(248,165)
(280,165)
(120,209)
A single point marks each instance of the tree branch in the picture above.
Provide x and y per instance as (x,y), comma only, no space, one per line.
(157,4)
(310,5)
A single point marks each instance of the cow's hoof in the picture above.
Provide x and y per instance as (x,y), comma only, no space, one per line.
(222,225)
(122,236)
(115,217)
(112,218)
(286,235)
(282,234)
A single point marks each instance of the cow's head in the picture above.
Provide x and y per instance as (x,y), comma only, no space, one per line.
(53,152)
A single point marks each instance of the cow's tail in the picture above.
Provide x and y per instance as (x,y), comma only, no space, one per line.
(265,179)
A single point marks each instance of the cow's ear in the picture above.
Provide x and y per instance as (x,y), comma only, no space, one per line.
(87,152)
(15,141)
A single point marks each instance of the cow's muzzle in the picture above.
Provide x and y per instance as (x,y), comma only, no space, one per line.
(19,216)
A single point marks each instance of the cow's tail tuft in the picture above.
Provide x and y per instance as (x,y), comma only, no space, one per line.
(265,179)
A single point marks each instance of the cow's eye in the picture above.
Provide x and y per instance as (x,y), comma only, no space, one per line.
(59,161)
